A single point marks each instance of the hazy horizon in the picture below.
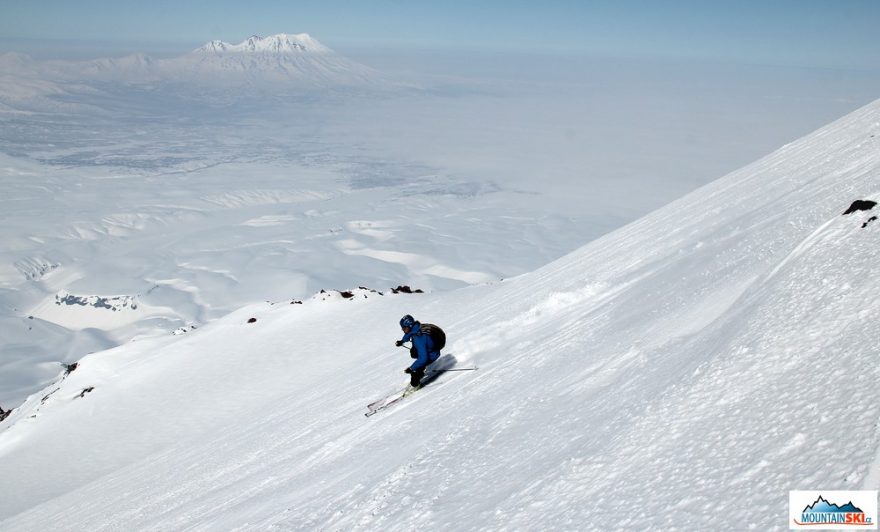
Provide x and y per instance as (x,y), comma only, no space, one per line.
(784,32)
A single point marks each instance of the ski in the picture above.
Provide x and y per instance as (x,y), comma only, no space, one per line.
(380,405)
(396,397)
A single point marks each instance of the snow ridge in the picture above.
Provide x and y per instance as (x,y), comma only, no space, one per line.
(281,43)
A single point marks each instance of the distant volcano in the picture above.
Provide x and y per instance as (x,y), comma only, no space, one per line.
(275,44)
(289,59)
(260,63)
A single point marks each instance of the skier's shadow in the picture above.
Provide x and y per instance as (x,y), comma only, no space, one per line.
(439,367)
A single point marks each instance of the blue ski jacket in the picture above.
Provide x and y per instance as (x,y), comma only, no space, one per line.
(424,347)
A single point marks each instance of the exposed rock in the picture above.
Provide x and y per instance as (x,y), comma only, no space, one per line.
(183,330)
(371,290)
(70,368)
(252,320)
(405,289)
(35,268)
(47,396)
(324,295)
(113,303)
(86,390)
(860,205)
(871,219)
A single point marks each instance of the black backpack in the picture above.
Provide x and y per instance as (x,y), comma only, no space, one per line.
(438,337)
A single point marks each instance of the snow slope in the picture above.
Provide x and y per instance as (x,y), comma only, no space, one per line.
(721,349)
(196,199)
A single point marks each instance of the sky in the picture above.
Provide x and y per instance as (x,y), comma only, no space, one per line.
(817,33)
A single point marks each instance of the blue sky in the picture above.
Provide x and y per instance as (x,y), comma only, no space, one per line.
(827,33)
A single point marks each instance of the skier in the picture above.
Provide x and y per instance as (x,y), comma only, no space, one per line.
(427,341)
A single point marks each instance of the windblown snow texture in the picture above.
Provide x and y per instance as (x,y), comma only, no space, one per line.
(722,347)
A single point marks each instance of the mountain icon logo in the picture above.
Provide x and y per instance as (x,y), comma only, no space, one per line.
(823,512)
(822,505)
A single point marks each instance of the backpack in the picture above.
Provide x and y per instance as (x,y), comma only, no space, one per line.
(438,337)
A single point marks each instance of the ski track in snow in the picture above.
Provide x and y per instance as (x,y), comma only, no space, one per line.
(291,243)
(720,349)
(622,412)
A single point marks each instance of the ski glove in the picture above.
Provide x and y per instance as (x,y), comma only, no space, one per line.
(408,371)
(398,343)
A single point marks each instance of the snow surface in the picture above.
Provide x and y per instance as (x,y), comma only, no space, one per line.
(197,197)
(719,350)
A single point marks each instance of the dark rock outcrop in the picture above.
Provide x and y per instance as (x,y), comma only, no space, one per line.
(860,205)
(404,289)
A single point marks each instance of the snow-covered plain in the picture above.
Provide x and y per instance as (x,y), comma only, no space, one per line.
(148,196)
(189,200)
(685,371)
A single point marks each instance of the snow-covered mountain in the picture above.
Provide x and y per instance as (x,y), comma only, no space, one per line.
(290,58)
(723,345)
(278,62)
(282,43)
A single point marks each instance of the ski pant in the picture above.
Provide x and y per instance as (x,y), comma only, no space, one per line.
(422,363)
(416,376)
